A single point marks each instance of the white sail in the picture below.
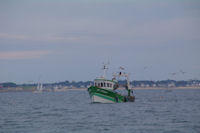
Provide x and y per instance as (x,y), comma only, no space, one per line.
(39,88)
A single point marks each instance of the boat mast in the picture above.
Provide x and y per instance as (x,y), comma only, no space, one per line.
(105,68)
(123,74)
(128,82)
(127,78)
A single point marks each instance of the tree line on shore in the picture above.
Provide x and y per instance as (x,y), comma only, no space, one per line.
(135,83)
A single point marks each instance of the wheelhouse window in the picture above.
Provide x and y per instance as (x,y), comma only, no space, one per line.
(104,84)
(101,84)
(107,84)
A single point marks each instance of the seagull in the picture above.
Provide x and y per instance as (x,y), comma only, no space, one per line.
(182,72)
(121,68)
(145,67)
(173,74)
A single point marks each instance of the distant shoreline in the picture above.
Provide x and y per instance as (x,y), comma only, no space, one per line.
(160,88)
(147,88)
(84,89)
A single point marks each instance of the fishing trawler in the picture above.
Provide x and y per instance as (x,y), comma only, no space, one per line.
(104,90)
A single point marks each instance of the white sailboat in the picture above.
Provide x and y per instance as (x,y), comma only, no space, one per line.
(39,88)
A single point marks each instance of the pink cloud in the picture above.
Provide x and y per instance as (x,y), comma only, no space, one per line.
(48,37)
(13,36)
(22,55)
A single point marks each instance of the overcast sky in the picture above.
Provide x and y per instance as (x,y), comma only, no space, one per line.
(62,40)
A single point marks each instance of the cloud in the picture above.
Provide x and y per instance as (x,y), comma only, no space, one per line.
(13,36)
(16,55)
(46,37)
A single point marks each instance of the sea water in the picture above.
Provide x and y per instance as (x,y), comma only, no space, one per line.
(154,111)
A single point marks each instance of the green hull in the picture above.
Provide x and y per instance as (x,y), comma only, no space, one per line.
(105,96)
